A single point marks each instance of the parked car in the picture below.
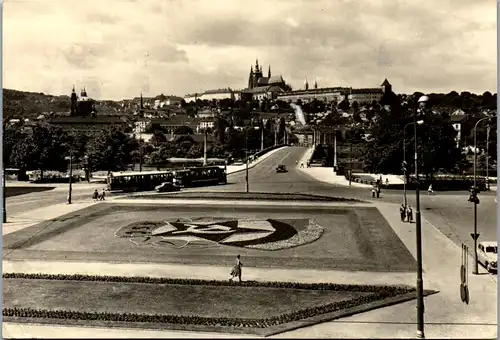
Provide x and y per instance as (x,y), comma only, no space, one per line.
(167,187)
(487,255)
(281,168)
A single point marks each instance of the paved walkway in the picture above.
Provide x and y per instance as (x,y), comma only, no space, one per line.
(445,315)
(325,174)
(237,168)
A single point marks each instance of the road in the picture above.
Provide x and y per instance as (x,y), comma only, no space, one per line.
(450,212)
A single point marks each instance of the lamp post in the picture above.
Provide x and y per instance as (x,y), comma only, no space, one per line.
(475,269)
(246,161)
(419,122)
(422,101)
(4,209)
(487,157)
(205,137)
(70,175)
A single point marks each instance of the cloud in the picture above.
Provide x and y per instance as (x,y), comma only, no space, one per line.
(178,47)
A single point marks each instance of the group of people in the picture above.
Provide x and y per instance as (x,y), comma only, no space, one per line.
(98,197)
(406,213)
(302,163)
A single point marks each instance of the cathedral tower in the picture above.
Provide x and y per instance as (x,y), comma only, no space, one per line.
(74,100)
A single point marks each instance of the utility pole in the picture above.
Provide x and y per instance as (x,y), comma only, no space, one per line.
(334,150)
(487,157)
(205,148)
(261,137)
(350,160)
(4,208)
(140,152)
(475,268)
(246,161)
(420,283)
(70,175)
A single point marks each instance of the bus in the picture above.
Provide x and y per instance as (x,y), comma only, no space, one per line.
(138,181)
(177,163)
(199,176)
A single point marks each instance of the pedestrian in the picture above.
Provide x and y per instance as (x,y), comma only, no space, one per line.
(103,195)
(387,182)
(95,195)
(402,212)
(378,192)
(302,164)
(409,214)
(430,191)
(373,192)
(236,270)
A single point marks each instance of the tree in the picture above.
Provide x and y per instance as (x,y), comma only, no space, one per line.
(111,150)
(220,126)
(158,138)
(44,149)
(436,144)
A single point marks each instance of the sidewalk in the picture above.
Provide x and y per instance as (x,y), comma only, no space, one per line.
(25,220)
(325,174)
(231,169)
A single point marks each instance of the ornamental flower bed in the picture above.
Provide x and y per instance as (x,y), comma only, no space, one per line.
(370,294)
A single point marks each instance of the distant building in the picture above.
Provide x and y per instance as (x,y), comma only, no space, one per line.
(82,116)
(218,94)
(260,87)
(327,94)
(82,106)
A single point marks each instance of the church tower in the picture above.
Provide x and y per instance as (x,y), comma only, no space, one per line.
(269,72)
(315,84)
(386,87)
(250,78)
(306,84)
(74,99)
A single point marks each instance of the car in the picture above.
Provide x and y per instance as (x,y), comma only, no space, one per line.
(167,187)
(487,255)
(281,168)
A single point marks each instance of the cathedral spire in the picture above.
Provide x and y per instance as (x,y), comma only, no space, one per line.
(250,78)
(142,103)
(269,72)
(315,83)
(306,84)
(256,65)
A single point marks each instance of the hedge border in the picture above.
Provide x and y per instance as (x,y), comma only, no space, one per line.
(264,196)
(383,289)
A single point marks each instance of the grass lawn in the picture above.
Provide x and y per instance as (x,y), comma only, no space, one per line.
(204,301)
(354,238)
(262,308)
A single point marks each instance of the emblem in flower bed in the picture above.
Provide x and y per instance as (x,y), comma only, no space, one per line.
(260,234)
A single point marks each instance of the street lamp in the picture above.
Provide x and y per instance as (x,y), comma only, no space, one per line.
(419,122)
(70,174)
(4,209)
(475,269)
(422,103)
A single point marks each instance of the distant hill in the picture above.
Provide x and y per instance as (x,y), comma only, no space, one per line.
(21,104)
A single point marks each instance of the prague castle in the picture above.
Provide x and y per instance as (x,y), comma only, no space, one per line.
(260,87)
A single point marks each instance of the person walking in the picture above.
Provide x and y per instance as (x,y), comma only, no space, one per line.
(236,270)
(373,191)
(402,212)
(430,191)
(409,214)
(95,195)
(103,195)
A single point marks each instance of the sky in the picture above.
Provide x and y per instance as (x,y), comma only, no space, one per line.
(118,48)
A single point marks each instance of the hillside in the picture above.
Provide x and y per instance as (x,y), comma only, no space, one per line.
(20,104)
